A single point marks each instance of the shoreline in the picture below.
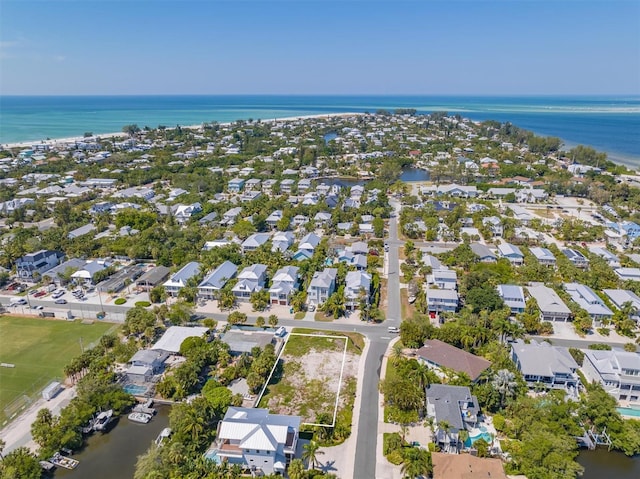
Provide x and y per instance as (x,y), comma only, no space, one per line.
(73,139)
(631,162)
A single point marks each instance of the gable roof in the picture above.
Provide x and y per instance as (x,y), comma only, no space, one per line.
(443,354)
(256,428)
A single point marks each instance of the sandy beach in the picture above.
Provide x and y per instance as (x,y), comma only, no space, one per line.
(74,139)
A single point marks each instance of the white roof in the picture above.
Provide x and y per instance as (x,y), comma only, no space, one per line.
(172,339)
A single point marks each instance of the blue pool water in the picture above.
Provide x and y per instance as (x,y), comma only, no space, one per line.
(628,411)
(484,435)
(213,456)
(135,389)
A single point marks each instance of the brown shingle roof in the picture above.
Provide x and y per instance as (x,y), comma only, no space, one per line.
(465,466)
(450,357)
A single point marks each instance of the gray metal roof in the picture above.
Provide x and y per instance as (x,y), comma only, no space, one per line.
(542,359)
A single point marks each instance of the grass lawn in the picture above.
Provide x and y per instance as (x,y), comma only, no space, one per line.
(407,308)
(39,348)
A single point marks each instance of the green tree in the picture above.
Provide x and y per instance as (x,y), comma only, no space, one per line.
(273,320)
(296,470)
(237,318)
(260,300)
(378,227)
(310,453)
(417,463)
(260,322)
(504,382)
(20,464)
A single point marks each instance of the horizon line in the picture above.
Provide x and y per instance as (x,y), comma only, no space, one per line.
(495,95)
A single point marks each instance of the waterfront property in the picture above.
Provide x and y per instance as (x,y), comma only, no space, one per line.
(173,337)
(543,364)
(617,371)
(256,440)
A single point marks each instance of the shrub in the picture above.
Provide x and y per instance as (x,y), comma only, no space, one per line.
(498,422)
(600,347)
(395,457)
(142,304)
(630,347)
(391,442)
(120,301)
(604,331)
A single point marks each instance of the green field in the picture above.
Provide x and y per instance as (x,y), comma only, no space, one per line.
(39,348)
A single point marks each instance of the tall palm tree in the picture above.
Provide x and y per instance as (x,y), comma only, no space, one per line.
(396,353)
(417,463)
(422,374)
(504,382)
(311,453)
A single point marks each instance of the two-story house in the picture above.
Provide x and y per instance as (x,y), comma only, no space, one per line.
(513,296)
(576,257)
(211,285)
(617,371)
(588,300)
(236,185)
(357,287)
(455,406)
(494,224)
(33,266)
(254,241)
(250,280)
(443,278)
(551,306)
(284,284)
(256,440)
(179,280)
(542,363)
(544,256)
(511,252)
(442,300)
(322,285)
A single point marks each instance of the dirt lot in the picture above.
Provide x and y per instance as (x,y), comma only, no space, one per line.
(309,377)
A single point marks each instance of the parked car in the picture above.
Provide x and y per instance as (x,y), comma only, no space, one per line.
(39,294)
(57,294)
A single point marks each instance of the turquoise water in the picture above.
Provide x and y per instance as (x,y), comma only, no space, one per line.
(484,435)
(135,389)
(610,124)
(628,411)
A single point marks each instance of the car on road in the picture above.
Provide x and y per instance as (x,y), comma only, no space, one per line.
(18,302)
(38,307)
(60,301)
(393,329)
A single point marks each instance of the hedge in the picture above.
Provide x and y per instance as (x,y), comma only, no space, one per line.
(120,301)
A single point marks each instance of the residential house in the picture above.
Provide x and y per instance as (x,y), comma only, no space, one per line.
(617,371)
(484,254)
(357,286)
(620,297)
(86,273)
(211,285)
(282,240)
(495,225)
(459,191)
(254,241)
(252,184)
(60,273)
(83,230)
(33,266)
(273,219)
(322,219)
(286,186)
(576,257)
(300,220)
(588,300)
(511,252)
(236,185)
(611,259)
(628,274)
(552,308)
(250,280)
(441,356)
(179,280)
(152,278)
(455,406)
(530,195)
(542,363)
(309,243)
(442,300)
(231,216)
(322,285)
(184,212)
(250,196)
(544,256)
(513,297)
(256,440)
(283,285)
(443,279)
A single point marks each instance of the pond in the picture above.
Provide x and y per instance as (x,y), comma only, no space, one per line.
(615,465)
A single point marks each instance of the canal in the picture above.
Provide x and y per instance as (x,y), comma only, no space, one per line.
(614,465)
(114,454)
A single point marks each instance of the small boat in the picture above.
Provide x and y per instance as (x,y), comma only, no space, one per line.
(47,466)
(164,434)
(103,419)
(145,407)
(63,461)
(140,417)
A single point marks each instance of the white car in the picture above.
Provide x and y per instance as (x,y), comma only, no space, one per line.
(393,329)
(57,294)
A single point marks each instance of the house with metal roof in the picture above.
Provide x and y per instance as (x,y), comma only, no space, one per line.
(211,285)
(173,337)
(588,300)
(617,371)
(543,255)
(495,225)
(153,278)
(236,185)
(250,280)
(283,285)
(262,442)
(357,283)
(322,285)
(442,300)
(309,242)
(33,266)
(611,259)
(513,296)
(443,278)
(254,241)
(484,254)
(282,240)
(542,363)
(83,230)
(511,252)
(551,306)
(620,297)
(576,257)
(628,274)
(179,280)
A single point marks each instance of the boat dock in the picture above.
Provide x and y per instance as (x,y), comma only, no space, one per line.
(63,461)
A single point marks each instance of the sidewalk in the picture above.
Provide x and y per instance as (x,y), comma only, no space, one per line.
(340,459)
(18,432)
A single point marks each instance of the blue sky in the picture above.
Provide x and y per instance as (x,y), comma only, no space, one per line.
(319,47)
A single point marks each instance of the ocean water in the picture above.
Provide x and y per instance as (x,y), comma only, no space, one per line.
(610,124)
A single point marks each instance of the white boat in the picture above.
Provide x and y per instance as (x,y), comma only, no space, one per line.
(164,434)
(140,417)
(103,419)
(145,407)
(63,461)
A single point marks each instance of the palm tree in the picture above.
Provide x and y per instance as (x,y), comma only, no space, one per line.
(423,375)
(273,320)
(417,463)
(504,382)
(311,453)
(396,353)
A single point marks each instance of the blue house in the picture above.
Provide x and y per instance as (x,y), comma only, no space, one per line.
(236,185)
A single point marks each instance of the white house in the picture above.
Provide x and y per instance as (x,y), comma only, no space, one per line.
(211,285)
(511,252)
(250,280)
(283,285)
(617,371)
(541,363)
(356,283)
(322,285)
(179,280)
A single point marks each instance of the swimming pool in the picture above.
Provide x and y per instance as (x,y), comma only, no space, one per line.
(628,411)
(483,435)
(135,389)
